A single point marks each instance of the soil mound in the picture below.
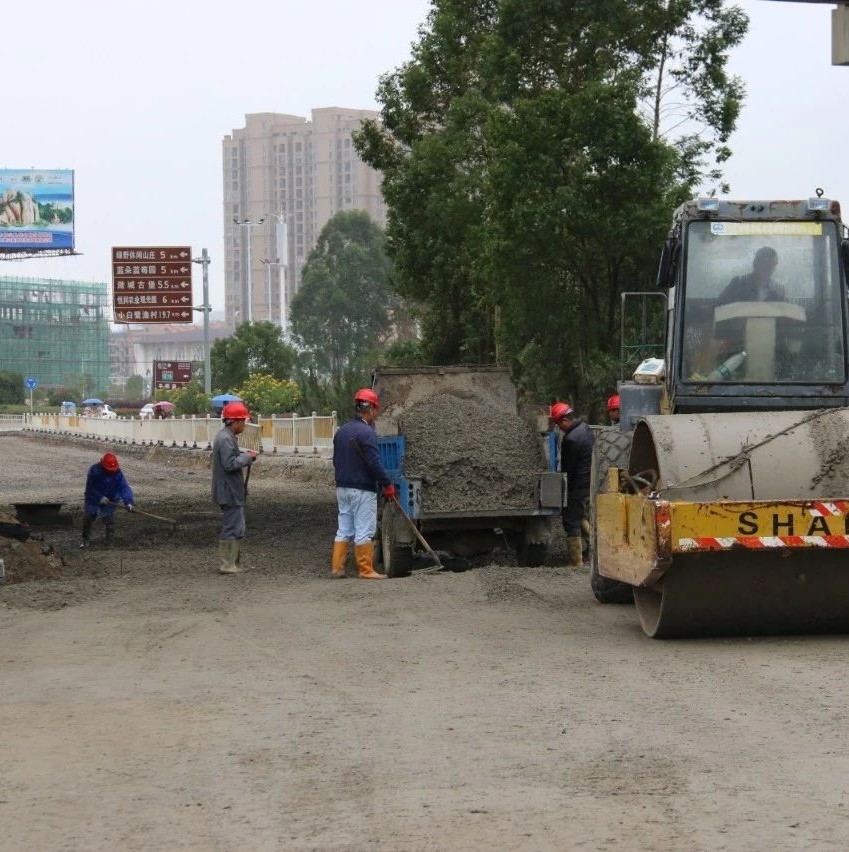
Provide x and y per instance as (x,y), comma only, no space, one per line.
(468,458)
(30,560)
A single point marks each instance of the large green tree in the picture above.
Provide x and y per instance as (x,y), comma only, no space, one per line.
(528,179)
(344,307)
(254,347)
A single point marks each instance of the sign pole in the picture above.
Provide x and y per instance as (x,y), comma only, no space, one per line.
(204,261)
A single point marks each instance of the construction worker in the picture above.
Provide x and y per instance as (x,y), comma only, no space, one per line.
(228,485)
(105,486)
(613,409)
(359,473)
(576,455)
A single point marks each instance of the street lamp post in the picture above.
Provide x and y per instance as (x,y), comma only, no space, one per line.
(282,262)
(206,307)
(269,265)
(247,224)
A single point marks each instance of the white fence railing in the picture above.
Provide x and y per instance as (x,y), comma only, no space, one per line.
(270,434)
(11,422)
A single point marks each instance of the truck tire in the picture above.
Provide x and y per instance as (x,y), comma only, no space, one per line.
(611,449)
(532,547)
(531,555)
(395,546)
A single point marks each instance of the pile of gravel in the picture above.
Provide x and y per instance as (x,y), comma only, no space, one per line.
(470,457)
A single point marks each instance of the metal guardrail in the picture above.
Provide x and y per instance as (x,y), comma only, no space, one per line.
(270,434)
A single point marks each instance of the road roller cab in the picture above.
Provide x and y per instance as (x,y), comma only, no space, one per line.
(722,500)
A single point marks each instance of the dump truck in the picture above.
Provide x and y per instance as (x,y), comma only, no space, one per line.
(470,473)
(720,504)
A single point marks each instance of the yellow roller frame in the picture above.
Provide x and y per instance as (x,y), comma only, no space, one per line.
(637,536)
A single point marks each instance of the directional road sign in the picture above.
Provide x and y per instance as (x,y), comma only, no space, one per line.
(31,383)
(169,375)
(152,284)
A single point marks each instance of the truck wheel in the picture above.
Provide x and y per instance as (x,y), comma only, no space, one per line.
(532,548)
(611,449)
(531,555)
(395,546)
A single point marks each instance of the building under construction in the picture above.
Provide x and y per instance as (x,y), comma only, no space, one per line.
(55,331)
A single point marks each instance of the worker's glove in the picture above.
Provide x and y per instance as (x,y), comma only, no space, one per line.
(253,454)
(130,507)
(389,491)
(105,501)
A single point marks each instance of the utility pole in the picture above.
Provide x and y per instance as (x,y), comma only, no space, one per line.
(206,307)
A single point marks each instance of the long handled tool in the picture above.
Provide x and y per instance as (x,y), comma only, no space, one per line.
(137,511)
(438,566)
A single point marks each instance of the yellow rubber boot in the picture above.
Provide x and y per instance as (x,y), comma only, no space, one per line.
(228,552)
(364,554)
(576,558)
(340,554)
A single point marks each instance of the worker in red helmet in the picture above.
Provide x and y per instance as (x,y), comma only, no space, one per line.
(576,455)
(228,484)
(613,409)
(359,474)
(105,487)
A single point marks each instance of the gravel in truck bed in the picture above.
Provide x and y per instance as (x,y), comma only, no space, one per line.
(469,456)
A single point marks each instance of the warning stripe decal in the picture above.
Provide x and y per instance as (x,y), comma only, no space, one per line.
(828,510)
(754,542)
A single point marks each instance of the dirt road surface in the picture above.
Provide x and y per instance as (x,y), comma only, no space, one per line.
(147,703)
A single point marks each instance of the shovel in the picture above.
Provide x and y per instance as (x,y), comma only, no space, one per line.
(433,568)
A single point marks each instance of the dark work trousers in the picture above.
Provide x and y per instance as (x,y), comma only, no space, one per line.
(232,523)
(577,506)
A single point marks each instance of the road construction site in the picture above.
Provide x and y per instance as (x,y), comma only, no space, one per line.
(150,703)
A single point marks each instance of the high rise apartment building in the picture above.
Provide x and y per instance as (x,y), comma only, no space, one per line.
(284,178)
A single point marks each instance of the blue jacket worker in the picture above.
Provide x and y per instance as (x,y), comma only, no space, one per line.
(105,486)
(359,474)
(576,458)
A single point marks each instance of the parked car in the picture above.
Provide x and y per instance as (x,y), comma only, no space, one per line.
(146,412)
(107,413)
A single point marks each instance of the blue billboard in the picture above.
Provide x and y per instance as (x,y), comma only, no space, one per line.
(36,209)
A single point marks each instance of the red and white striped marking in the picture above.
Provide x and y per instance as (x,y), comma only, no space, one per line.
(828,510)
(760,542)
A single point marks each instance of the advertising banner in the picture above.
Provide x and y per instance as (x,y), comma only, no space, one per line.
(36,209)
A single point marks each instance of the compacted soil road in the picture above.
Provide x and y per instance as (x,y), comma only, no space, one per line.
(147,703)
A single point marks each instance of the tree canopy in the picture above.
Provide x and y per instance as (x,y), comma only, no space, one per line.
(532,153)
(256,347)
(344,306)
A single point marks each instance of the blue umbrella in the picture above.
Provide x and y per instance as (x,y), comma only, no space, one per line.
(223,398)
(92,401)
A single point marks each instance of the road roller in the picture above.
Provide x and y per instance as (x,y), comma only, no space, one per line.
(720,502)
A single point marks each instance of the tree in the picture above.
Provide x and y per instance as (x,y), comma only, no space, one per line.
(135,387)
(11,388)
(265,395)
(344,305)
(253,348)
(526,189)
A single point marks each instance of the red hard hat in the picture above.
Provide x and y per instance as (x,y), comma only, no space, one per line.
(235,411)
(613,402)
(109,462)
(559,410)
(367,395)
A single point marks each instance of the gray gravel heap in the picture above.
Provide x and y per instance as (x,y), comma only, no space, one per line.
(470,457)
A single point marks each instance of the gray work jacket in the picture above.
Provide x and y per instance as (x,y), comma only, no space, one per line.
(228,487)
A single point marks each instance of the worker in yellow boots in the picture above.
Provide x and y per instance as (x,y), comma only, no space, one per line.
(228,485)
(359,474)
(576,456)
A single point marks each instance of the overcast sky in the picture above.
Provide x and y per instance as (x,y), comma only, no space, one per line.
(136,96)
